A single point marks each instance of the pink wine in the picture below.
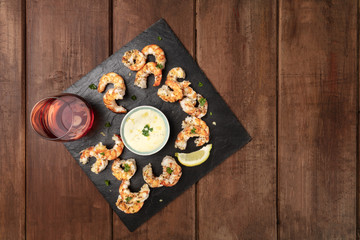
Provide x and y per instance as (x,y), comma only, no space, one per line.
(65,117)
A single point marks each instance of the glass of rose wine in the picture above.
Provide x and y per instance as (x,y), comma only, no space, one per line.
(65,117)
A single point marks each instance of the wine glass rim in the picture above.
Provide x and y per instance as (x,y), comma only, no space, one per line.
(47,98)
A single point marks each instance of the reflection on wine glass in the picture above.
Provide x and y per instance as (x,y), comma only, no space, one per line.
(64,117)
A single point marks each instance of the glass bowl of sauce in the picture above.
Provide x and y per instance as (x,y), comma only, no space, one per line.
(145,130)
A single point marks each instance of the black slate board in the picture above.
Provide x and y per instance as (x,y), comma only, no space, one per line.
(227,136)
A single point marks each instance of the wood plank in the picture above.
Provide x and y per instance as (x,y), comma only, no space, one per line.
(12,121)
(236,48)
(358,136)
(317,119)
(177,220)
(65,40)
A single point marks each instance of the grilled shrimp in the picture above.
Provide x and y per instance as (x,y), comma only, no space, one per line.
(171,172)
(157,52)
(192,127)
(189,102)
(142,74)
(133,197)
(189,92)
(148,175)
(176,73)
(101,162)
(172,91)
(86,154)
(110,100)
(169,177)
(117,149)
(99,165)
(128,208)
(102,154)
(123,169)
(113,94)
(134,60)
(110,77)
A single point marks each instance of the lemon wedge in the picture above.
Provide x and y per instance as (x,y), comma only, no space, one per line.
(195,158)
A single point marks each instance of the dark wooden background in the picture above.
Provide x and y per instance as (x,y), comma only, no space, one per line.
(288,69)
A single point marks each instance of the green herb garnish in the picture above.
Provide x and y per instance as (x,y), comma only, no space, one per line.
(159,38)
(138,201)
(107,124)
(210,113)
(92,86)
(202,101)
(169,170)
(126,168)
(193,131)
(133,97)
(200,84)
(146,130)
(128,199)
(159,66)
(102,153)
(107,182)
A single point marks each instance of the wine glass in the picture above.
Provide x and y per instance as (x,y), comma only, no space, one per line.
(64,117)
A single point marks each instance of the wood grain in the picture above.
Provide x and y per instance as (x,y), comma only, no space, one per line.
(236,48)
(317,119)
(358,128)
(12,121)
(65,40)
(177,220)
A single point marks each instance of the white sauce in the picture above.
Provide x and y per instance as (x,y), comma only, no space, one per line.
(134,126)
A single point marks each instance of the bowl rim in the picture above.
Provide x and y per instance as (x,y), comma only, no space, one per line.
(166,121)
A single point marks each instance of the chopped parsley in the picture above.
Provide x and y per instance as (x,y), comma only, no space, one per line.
(202,101)
(169,170)
(92,86)
(133,97)
(210,113)
(128,199)
(200,84)
(159,38)
(193,131)
(107,182)
(107,124)
(159,66)
(138,201)
(146,130)
(102,153)
(126,168)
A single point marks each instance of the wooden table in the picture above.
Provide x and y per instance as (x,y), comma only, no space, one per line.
(288,69)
